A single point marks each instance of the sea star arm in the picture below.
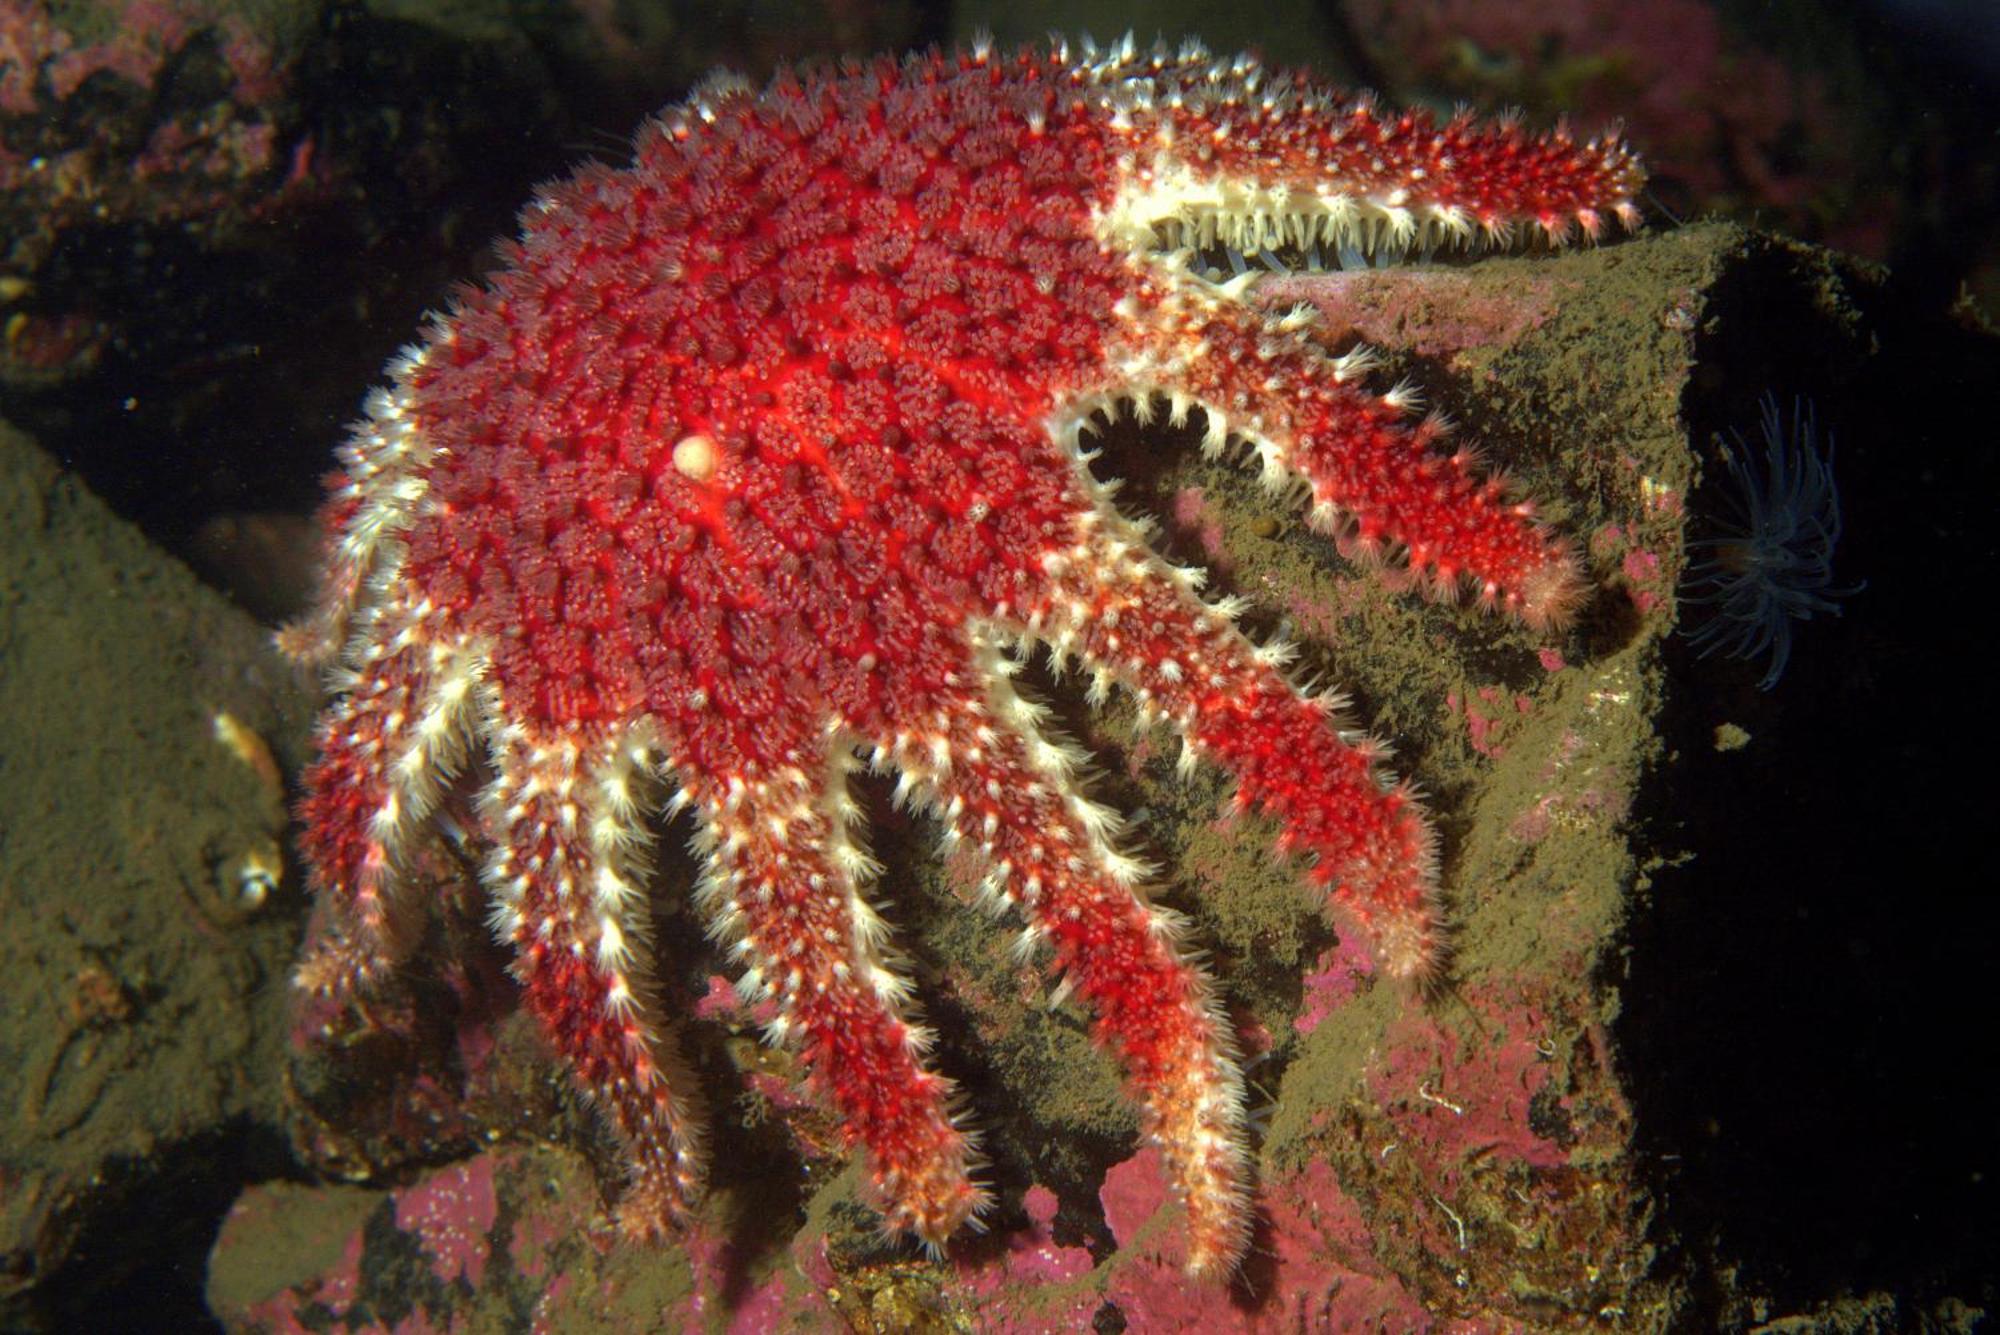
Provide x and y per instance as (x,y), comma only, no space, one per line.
(1007,787)
(785,887)
(567,877)
(1130,615)
(374,498)
(1373,474)
(386,750)
(1347,169)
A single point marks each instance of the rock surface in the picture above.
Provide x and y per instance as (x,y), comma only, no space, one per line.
(148,927)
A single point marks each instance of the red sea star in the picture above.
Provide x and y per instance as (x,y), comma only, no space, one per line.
(762,456)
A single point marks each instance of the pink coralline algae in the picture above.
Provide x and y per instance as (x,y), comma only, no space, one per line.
(1446,1095)
(1485,712)
(1339,974)
(1647,580)
(719,1300)
(1029,1287)
(1317,1262)
(452,1212)
(419,1258)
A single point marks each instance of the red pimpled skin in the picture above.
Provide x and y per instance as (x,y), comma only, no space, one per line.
(759,459)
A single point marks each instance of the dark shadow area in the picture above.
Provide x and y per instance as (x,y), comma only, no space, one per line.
(1807,1028)
(142,1260)
(187,413)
